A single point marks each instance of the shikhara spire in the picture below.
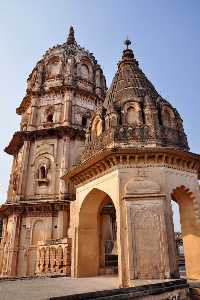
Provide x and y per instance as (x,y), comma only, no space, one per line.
(71,38)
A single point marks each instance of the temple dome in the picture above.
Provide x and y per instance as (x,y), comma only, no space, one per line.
(66,66)
(134,114)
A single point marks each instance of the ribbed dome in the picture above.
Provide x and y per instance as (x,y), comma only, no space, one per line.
(66,66)
(129,81)
(134,114)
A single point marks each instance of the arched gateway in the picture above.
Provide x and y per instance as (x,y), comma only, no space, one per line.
(141,160)
(95,235)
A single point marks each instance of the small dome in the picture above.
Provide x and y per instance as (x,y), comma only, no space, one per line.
(134,114)
(141,185)
(64,67)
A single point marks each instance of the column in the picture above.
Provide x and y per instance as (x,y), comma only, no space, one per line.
(68,108)
(62,223)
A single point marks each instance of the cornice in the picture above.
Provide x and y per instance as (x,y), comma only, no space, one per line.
(107,160)
(33,207)
(57,89)
(20,137)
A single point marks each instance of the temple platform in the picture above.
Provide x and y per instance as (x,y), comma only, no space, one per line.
(101,288)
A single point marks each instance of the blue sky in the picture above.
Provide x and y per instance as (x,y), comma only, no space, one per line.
(165,39)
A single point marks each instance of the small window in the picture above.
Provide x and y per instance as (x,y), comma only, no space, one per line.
(84,122)
(43,172)
(50,118)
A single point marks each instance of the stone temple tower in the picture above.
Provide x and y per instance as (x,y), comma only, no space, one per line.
(136,160)
(63,90)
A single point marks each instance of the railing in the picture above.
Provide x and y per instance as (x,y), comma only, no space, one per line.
(133,135)
(54,257)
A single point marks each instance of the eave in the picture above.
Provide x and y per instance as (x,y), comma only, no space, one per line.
(24,206)
(105,160)
(57,89)
(20,137)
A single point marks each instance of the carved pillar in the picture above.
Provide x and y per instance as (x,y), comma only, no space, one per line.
(3,242)
(10,195)
(24,168)
(64,165)
(9,267)
(68,108)
(98,83)
(32,120)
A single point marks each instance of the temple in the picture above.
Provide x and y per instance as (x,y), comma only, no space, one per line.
(94,173)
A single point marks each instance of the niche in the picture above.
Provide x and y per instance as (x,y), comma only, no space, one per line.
(42,174)
(50,118)
(132,115)
(84,72)
(167,118)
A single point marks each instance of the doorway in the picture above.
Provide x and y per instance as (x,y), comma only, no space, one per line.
(96,242)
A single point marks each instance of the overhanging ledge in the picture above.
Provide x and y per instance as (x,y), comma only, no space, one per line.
(20,137)
(133,157)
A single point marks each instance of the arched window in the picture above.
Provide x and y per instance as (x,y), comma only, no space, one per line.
(50,118)
(132,115)
(84,72)
(42,172)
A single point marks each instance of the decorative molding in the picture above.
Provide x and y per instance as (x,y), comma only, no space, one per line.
(108,159)
(20,137)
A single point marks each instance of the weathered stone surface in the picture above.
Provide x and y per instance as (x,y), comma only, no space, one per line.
(112,212)
(63,91)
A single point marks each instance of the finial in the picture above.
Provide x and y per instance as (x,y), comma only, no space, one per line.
(127,42)
(71,38)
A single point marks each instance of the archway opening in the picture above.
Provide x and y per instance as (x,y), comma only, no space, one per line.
(178,239)
(96,236)
(190,230)
(108,239)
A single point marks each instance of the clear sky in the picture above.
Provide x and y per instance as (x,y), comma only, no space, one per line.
(165,37)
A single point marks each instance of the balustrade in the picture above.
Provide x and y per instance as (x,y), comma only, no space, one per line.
(54,257)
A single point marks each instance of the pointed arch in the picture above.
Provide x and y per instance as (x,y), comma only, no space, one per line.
(190,227)
(88,234)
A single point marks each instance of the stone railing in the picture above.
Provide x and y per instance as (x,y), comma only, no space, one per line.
(133,136)
(54,257)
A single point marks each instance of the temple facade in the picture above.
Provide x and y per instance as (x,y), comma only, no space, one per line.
(94,173)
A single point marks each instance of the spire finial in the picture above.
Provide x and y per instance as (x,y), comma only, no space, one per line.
(127,42)
(71,38)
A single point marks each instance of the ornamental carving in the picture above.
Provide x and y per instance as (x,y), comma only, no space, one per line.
(135,113)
